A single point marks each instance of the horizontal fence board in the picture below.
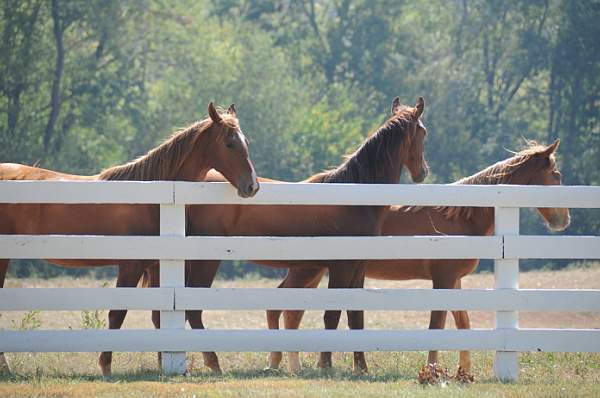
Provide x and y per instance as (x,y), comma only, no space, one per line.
(393,194)
(548,340)
(86,192)
(299,194)
(69,299)
(245,247)
(558,247)
(552,340)
(386,299)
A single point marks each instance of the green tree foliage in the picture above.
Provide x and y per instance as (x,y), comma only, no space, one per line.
(88,84)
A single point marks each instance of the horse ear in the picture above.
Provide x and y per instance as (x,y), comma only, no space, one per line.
(231,110)
(550,149)
(212,112)
(395,105)
(420,107)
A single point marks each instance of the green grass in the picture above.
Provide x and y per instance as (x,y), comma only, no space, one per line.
(391,374)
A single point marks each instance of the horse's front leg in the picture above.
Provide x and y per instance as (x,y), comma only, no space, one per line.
(341,275)
(202,274)
(356,320)
(303,278)
(129,276)
(296,278)
(461,320)
(438,318)
(4,366)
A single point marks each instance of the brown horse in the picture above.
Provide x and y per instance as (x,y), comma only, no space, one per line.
(216,142)
(535,165)
(397,143)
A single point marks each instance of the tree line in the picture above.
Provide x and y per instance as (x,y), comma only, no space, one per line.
(88,84)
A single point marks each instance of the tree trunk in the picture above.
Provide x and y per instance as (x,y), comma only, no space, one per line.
(55,100)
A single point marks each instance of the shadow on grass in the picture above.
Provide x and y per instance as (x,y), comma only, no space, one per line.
(202,377)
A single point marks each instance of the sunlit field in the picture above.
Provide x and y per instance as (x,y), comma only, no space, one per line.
(391,374)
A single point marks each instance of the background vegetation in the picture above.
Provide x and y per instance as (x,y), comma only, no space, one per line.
(88,84)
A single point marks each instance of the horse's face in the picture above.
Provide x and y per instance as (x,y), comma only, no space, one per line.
(547,173)
(415,158)
(229,152)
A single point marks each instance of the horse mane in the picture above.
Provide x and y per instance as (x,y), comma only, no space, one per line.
(501,172)
(365,165)
(162,162)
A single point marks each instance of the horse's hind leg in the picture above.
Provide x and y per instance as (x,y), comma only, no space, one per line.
(438,318)
(202,274)
(296,278)
(151,278)
(4,366)
(129,275)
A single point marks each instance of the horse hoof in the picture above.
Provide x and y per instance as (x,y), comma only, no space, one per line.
(106,371)
(294,368)
(324,368)
(432,373)
(464,376)
(270,370)
(4,366)
(216,371)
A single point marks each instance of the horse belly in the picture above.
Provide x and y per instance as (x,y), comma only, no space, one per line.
(398,270)
(80,219)
(84,219)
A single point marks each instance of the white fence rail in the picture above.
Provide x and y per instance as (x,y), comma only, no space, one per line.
(172,248)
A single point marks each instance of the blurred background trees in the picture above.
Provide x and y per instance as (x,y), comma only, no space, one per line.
(88,84)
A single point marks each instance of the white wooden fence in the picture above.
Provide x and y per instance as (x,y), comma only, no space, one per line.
(172,248)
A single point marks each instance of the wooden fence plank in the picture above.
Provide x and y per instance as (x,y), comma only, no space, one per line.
(75,299)
(548,340)
(249,247)
(387,299)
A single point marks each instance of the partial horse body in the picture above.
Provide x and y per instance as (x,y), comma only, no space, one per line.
(215,142)
(535,165)
(398,143)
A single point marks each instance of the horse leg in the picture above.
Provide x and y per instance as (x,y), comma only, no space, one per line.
(438,318)
(356,320)
(340,276)
(461,319)
(152,279)
(202,274)
(275,357)
(129,275)
(4,366)
(296,278)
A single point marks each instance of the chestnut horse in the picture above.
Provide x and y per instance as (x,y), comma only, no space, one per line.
(535,165)
(397,143)
(216,142)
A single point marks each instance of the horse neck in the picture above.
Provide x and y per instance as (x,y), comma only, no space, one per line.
(482,218)
(198,162)
(378,161)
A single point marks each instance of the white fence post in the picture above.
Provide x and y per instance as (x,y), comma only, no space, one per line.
(172,274)
(506,275)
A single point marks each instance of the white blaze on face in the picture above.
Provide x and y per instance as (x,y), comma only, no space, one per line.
(244,140)
(241,135)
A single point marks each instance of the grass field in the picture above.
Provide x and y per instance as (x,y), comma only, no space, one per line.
(391,374)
